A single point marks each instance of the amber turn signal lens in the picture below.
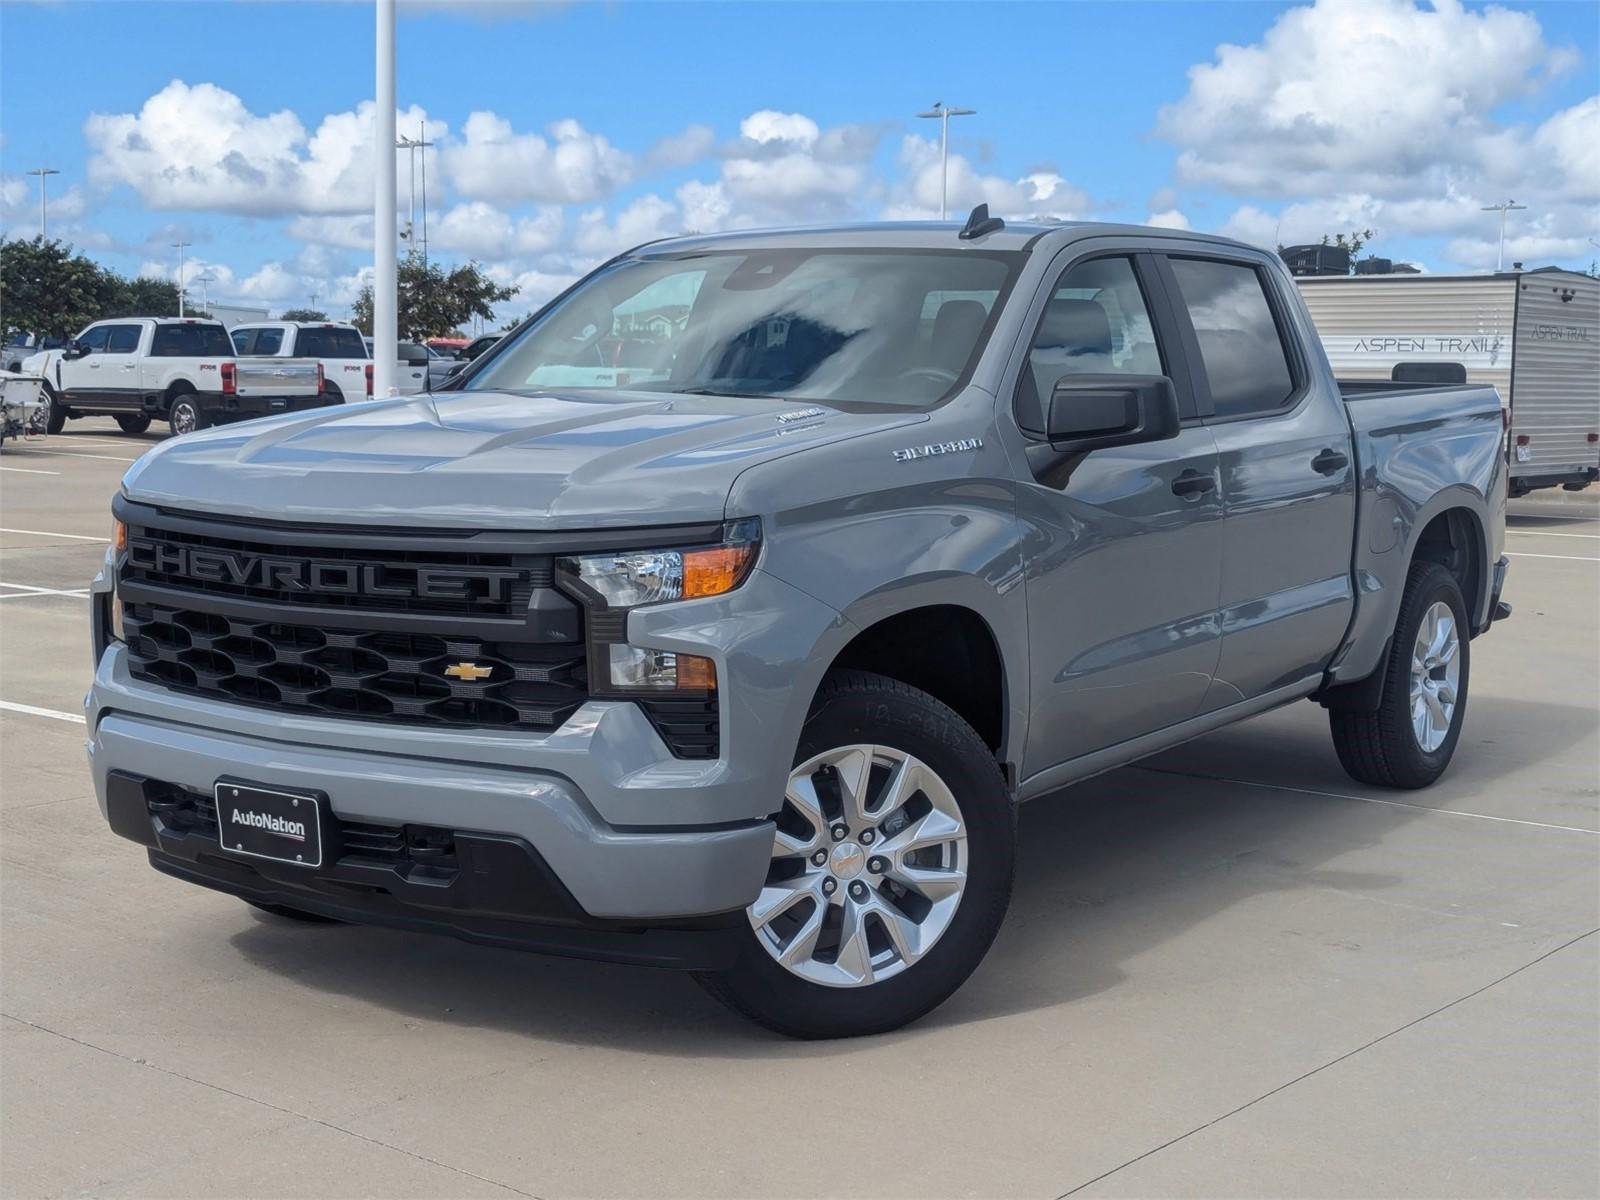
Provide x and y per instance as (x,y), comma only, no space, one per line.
(714,571)
(696,673)
(119,535)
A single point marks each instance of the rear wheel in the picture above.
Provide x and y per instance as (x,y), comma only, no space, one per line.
(1408,741)
(133,422)
(184,414)
(891,867)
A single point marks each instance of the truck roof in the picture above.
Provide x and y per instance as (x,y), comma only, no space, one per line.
(919,235)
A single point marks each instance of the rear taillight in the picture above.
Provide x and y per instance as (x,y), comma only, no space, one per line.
(369,379)
(230,385)
(1592,438)
(1523,439)
(322,379)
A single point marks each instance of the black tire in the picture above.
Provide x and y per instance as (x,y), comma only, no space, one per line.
(330,396)
(57,420)
(133,422)
(292,914)
(854,707)
(1379,747)
(185,414)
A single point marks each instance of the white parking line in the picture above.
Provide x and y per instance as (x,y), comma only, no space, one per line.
(1549,533)
(78,454)
(1562,557)
(23,591)
(1427,808)
(26,471)
(76,537)
(29,710)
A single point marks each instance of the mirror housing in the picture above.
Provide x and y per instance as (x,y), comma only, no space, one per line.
(455,369)
(76,348)
(1087,412)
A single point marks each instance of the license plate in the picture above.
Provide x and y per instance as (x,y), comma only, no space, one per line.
(264,823)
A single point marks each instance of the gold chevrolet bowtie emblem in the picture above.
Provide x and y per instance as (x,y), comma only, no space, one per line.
(468,671)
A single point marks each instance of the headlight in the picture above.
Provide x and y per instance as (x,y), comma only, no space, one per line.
(629,578)
(624,579)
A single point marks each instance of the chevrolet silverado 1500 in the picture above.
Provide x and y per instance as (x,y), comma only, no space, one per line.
(742,665)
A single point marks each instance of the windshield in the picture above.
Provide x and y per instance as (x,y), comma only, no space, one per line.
(878,327)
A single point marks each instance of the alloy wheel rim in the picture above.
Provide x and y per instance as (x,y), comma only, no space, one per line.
(1435,676)
(869,864)
(185,419)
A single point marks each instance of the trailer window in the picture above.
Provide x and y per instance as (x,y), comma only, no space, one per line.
(1240,346)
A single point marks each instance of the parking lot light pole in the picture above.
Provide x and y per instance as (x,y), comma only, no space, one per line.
(943,114)
(43,173)
(178,246)
(385,265)
(1503,209)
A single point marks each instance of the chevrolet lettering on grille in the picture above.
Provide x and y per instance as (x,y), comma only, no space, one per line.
(335,577)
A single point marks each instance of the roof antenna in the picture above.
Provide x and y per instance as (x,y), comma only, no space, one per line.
(980,223)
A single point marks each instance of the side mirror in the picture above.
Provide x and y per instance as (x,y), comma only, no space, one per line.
(1087,412)
(455,370)
(75,349)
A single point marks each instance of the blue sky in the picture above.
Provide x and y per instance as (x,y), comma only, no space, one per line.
(568,131)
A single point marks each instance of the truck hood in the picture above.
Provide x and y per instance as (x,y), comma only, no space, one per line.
(485,460)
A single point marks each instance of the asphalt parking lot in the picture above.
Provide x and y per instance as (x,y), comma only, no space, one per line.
(1229,971)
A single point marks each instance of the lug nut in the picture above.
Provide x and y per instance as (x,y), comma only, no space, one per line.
(840,832)
(875,865)
(820,857)
(858,891)
(866,837)
(829,887)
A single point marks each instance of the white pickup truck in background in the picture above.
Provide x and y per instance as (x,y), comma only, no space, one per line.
(337,345)
(181,370)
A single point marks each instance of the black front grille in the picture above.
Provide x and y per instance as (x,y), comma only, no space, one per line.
(464,630)
(414,677)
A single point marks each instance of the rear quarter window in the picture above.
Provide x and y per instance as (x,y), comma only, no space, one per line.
(1241,348)
(329,343)
(190,341)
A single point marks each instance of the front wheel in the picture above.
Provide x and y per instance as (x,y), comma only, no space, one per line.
(185,415)
(1408,741)
(891,868)
(56,420)
(133,422)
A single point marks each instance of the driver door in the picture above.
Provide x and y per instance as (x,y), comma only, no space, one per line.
(1123,570)
(83,379)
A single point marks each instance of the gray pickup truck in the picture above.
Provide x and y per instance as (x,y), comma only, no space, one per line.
(721,614)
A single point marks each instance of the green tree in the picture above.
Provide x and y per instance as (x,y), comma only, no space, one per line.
(1352,241)
(303,314)
(434,302)
(46,288)
(145,297)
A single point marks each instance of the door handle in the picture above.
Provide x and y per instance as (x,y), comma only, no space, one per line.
(1192,484)
(1328,462)
(94,366)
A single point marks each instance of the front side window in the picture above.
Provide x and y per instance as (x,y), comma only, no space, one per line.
(874,327)
(95,338)
(190,340)
(329,342)
(1096,323)
(1240,347)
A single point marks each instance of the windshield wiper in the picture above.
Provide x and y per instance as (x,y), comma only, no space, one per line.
(721,392)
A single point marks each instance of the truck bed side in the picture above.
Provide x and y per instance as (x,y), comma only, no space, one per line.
(1432,470)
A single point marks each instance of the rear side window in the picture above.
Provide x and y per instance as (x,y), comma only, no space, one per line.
(1240,346)
(190,341)
(268,341)
(123,339)
(329,343)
